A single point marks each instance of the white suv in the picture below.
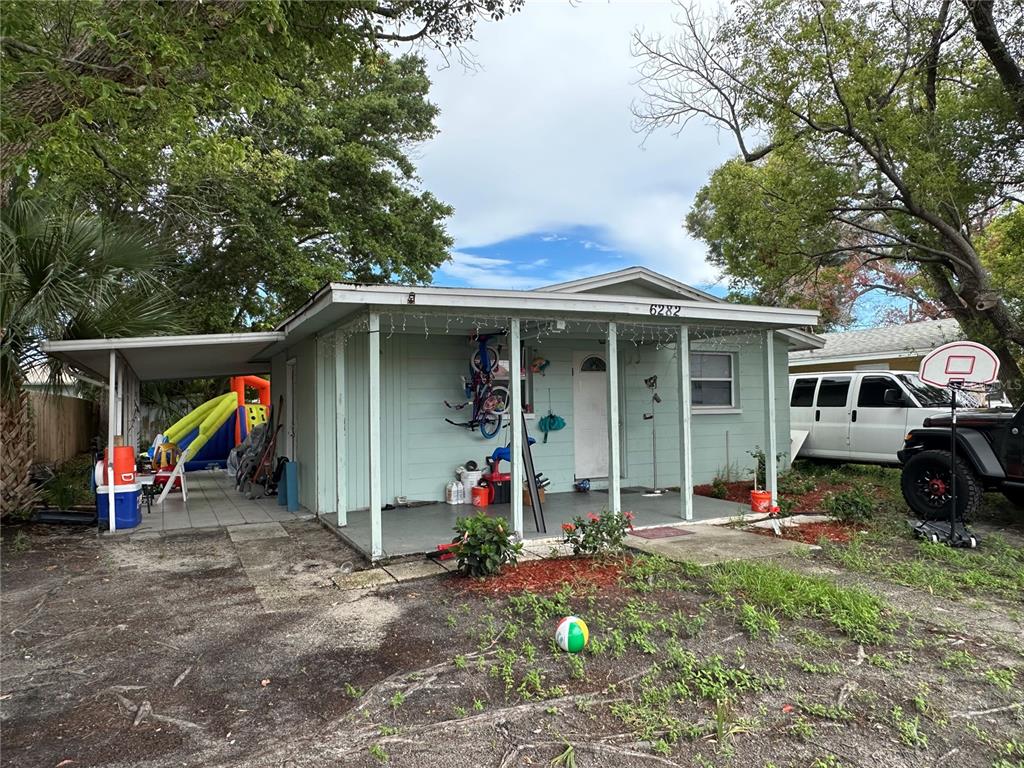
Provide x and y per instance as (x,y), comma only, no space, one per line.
(861,416)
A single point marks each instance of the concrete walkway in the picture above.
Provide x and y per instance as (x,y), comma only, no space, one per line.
(710,544)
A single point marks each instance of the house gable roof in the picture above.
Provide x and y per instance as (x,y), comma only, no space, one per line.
(632,281)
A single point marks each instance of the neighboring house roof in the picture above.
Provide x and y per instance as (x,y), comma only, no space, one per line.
(894,341)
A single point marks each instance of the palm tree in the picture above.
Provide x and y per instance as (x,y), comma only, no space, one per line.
(65,273)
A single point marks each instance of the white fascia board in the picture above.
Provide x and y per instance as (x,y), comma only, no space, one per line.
(813,359)
(136,342)
(804,341)
(568,304)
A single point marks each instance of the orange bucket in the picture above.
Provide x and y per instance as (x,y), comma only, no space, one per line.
(761,501)
(481,496)
(124,465)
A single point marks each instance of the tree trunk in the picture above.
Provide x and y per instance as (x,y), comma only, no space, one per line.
(984,325)
(17,494)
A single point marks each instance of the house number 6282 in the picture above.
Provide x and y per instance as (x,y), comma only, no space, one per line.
(665,310)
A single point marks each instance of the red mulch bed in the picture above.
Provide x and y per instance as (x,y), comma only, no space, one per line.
(809,533)
(545,576)
(738,492)
(807,502)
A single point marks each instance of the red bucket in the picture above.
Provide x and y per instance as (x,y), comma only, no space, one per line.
(761,501)
(481,496)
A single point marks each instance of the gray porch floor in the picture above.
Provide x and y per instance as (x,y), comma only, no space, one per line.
(212,502)
(418,530)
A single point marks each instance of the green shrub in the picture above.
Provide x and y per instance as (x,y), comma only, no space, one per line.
(484,544)
(795,483)
(597,533)
(853,505)
(719,489)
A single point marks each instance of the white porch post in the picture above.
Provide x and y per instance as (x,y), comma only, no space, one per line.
(340,429)
(516,414)
(614,473)
(685,424)
(111,432)
(771,438)
(376,538)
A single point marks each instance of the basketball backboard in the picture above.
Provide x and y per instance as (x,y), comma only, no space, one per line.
(959,363)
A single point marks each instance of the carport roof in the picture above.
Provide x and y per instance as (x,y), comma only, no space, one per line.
(171,357)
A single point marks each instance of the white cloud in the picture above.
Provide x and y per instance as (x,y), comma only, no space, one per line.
(540,140)
(484,272)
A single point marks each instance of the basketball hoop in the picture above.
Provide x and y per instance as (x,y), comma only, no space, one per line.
(959,366)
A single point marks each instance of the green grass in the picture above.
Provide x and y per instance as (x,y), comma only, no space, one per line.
(853,611)
(996,569)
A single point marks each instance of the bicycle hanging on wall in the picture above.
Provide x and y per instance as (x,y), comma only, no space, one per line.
(489,401)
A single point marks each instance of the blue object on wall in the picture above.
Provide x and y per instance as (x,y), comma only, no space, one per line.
(291,472)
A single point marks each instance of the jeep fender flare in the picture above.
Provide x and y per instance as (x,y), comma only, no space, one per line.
(970,444)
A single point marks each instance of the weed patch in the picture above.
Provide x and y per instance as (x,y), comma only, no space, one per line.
(852,610)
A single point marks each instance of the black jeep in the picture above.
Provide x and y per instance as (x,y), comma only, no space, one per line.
(989,457)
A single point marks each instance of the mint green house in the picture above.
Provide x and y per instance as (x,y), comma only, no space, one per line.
(366,370)
(661,387)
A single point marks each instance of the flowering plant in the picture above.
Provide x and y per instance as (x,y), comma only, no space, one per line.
(597,534)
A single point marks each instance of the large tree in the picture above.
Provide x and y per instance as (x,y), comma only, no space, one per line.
(868,133)
(269,139)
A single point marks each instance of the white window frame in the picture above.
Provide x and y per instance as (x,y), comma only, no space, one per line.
(734,405)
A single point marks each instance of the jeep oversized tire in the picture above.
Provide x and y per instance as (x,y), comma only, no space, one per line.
(926,486)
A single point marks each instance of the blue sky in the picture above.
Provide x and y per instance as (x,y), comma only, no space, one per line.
(538,154)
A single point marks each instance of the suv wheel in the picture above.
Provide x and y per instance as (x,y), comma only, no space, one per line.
(926,486)
(1015,496)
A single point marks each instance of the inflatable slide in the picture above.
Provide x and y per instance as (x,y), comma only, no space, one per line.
(209,432)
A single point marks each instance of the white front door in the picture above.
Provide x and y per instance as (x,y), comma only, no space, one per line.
(876,429)
(590,414)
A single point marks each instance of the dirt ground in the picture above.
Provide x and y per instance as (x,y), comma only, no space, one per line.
(201,650)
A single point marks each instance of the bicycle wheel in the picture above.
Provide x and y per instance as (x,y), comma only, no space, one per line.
(490,424)
(497,400)
(476,361)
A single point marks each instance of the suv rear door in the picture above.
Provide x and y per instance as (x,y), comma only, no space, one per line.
(830,427)
(876,429)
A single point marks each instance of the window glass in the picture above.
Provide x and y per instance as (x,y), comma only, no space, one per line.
(593,365)
(711,393)
(933,397)
(711,380)
(710,366)
(803,393)
(872,391)
(832,393)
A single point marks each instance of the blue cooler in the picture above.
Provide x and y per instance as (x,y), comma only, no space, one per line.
(126,506)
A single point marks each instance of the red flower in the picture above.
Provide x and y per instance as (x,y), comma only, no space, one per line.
(568,527)
(629,515)
(592,517)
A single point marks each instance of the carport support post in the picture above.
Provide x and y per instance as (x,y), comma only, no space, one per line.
(111,431)
(771,450)
(516,414)
(685,425)
(376,544)
(340,428)
(614,474)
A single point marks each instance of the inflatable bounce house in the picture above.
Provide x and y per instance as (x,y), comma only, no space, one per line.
(210,431)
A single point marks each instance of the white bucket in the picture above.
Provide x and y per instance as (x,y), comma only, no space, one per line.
(471,478)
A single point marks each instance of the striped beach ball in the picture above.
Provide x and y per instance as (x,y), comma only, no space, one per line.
(572,634)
